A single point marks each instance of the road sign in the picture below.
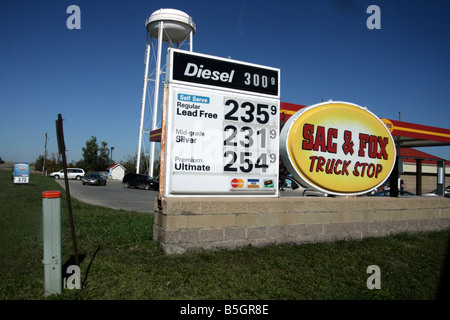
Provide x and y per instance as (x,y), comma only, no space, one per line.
(21,173)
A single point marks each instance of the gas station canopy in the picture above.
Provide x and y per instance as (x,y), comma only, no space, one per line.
(405,134)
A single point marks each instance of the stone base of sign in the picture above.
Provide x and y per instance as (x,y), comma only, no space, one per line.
(185,224)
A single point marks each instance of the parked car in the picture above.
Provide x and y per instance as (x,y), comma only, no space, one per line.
(93,178)
(387,193)
(138,180)
(300,190)
(72,173)
(434,193)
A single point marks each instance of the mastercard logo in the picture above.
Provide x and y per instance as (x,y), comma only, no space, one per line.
(338,148)
(237,183)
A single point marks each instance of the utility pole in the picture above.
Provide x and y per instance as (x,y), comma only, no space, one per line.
(45,155)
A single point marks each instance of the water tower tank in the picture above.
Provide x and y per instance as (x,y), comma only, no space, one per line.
(177,25)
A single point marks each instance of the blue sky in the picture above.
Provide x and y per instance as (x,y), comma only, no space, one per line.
(94,76)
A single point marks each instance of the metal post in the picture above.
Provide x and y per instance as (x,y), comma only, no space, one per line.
(156,96)
(419,177)
(393,180)
(45,155)
(51,214)
(441,178)
(62,151)
(163,144)
(144,92)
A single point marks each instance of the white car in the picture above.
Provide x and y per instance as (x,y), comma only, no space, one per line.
(72,173)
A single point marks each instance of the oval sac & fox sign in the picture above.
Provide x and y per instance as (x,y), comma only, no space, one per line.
(338,148)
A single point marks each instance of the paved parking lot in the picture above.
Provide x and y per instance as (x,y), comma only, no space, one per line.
(113,195)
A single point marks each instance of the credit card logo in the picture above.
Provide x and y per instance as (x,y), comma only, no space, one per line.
(237,183)
(268,183)
(253,183)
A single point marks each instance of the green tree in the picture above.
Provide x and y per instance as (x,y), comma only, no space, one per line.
(39,163)
(103,160)
(89,160)
(95,158)
(130,164)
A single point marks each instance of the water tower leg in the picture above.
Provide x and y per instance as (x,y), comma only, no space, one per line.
(144,92)
(156,100)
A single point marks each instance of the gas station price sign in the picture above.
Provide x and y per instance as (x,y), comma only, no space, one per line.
(222,138)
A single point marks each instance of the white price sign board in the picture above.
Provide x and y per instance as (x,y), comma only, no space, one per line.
(221,141)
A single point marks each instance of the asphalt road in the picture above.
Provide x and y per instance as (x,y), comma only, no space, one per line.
(113,195)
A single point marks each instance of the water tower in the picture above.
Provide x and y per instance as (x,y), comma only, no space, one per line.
(173,27)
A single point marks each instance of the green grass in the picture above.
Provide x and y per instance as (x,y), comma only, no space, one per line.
(123,262)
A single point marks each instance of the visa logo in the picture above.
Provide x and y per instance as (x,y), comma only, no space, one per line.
(253,183)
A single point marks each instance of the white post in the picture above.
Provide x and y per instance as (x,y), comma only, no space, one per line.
(156,100)
(144,92)
(441,178)
(51,234)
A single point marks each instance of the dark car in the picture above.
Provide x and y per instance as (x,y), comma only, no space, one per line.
(93,178)
(137,180)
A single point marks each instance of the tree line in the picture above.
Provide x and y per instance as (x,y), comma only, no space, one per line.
(95,158)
